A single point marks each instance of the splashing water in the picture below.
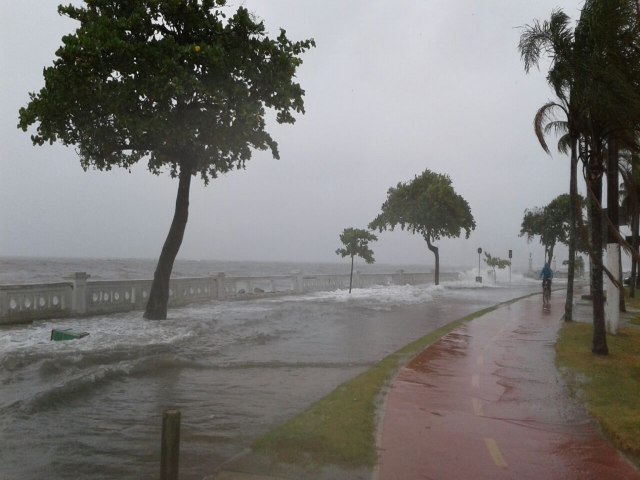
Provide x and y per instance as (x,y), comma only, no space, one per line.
(92,407)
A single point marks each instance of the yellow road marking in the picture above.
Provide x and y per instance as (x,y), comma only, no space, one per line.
(495,452)
(475,380)
(477,407)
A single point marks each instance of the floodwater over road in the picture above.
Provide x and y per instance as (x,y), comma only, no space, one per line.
(92,408)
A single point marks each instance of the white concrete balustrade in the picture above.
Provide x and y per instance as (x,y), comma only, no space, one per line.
(79,296)
(21,303)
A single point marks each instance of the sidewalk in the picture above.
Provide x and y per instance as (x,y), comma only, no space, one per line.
(486,402)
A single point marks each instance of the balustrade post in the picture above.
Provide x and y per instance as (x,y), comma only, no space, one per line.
(4,304)
(212,285)
(79,294)
(220,286)
(297,280)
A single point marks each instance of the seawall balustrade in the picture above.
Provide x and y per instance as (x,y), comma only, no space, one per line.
(79,296)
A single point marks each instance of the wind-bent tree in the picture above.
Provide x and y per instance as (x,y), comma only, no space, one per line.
(552,223)
(608,35)
(598,65)
(178,83)
(356,244)
(563,116)
(427,205)
(495,262)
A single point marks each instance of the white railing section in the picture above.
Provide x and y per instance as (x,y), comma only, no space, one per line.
(27,302)
(80,297)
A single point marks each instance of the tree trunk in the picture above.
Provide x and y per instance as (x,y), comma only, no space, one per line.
(594,179)
(351,274)
(573,231)
(635,223)
(159,295)
(550,254)
(434,249)
(613,200)
(634,247)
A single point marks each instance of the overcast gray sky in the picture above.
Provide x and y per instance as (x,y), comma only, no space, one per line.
(392,88)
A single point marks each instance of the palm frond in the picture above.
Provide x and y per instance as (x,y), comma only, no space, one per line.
(544,116)
(564,144)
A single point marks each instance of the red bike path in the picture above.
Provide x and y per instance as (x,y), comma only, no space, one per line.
(487,402)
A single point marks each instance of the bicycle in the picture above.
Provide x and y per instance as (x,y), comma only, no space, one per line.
(546,292)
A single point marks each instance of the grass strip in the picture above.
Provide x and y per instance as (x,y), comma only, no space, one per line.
(607,385)
(340,428)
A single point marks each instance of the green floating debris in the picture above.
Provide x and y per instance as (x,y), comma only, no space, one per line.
(66,334)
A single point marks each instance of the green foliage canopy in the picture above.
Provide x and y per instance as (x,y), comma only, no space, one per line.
(175,81)
(551,223)
(427,205)
(356,244)
(495,262)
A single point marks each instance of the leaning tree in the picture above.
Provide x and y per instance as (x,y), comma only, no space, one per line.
(427,205)
(180,84)
(356,244)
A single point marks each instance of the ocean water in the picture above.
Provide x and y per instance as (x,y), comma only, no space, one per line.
(42,270)
(92,408)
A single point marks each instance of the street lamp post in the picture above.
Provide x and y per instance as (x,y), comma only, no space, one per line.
(479,277)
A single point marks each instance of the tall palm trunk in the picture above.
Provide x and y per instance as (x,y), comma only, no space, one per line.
(573,230)
(634,245)
(159,294)
(613,194)
(594,180)
(635,223)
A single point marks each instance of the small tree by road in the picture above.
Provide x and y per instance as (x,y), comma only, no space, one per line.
(182,85)
(495,262)
(356,244)
(427,205)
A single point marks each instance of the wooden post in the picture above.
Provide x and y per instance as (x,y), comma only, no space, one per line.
(170,449)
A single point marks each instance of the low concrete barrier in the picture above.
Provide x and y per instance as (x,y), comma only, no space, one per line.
(78,296)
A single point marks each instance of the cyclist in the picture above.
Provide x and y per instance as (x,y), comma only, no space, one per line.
(546,274)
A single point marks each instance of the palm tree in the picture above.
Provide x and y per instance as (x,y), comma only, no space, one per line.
(607,36)
(555,37)
(595,75)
